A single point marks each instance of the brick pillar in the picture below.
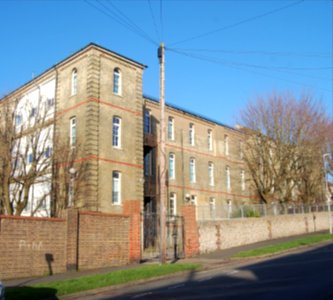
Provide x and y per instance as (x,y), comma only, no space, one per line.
(132,208)
(191,238)
(72,246)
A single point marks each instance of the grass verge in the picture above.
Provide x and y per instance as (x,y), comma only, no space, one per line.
(64,287)
(284,246)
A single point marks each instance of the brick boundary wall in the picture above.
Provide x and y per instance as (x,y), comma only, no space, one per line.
(191,233)
(224,234)
(32,246)
(133,209)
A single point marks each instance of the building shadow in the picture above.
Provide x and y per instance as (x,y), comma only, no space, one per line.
(305,275)
(29,293)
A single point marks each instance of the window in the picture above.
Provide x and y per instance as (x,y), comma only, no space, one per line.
(116,132)
(72,131)
(191,134)
(241,153)
(50,102)
(171,129)
(210,139)
(172,205)
(116,81)
(48,152)
(116,187)
(192,170)
(147,121)
(242,175)
(226,145)
(18,120)
(74,82)
(212,207)
(211,173)
(172,159)
(193,200)
(29,158)
(227,178)
(33,112)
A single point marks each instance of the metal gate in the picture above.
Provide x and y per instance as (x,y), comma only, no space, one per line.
(151,236)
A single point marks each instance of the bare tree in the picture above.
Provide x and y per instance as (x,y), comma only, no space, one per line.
(286,138)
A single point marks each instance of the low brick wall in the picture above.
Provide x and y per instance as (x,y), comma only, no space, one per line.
(216,235)
(43,246)
(103,240)
(31,246)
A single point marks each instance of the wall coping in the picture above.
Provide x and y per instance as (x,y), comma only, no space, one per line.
(32,218)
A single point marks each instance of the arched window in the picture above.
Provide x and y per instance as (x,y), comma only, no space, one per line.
(116,81)
(74,82)
(116,187)
(211,173)
(192,170)
(227,178)
(172,160)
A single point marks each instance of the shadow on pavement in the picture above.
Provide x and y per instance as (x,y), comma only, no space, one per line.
(29,293)
(304,275)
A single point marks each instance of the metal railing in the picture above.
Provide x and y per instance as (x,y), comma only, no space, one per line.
(234,211)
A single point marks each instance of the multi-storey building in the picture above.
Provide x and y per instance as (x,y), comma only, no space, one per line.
(100,113)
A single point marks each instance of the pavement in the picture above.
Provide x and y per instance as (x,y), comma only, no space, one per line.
(208,261)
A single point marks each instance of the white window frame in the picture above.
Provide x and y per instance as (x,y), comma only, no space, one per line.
(242,175)
(116,187)
(226,144)
(241,150)
(227,178)
(147,121)
(116,127)
(74,82)
(212,207)
(193,178)
(210,139)
(171,129)
(117,82)
(172,165)
(191,134)
(172,204)
(211,178)
(72,131)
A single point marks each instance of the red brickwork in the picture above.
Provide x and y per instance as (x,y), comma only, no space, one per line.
(191,235)
(103,240)
(132,208)
(31,246)
(72,239)
(85,240)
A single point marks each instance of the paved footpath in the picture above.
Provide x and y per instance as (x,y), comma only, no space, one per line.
(208,261)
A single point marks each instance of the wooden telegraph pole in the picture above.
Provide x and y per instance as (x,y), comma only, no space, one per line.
(162,158)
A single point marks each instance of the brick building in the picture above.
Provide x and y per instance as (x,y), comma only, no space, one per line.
(99,109)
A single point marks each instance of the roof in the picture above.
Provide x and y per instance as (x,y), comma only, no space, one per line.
(94,45)
(194,114)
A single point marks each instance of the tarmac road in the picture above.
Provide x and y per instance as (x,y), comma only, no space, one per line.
(303,274)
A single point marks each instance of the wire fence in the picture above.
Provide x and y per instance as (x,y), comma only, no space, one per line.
(234,211)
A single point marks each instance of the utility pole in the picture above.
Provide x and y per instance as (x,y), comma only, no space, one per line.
(162,158)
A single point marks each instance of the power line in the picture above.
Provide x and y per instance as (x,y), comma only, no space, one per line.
(258,52)
(121,19)
(238,23)
(161,19)
(243,67)
(154,21)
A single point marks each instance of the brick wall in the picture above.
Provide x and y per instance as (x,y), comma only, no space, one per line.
(31,246)
(236,232)
(132,208)
(103,240)
(85,240)
(191,235)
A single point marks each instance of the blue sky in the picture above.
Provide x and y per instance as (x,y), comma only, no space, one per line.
(220,53)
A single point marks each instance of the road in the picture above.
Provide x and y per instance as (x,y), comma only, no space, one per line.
(307,274)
